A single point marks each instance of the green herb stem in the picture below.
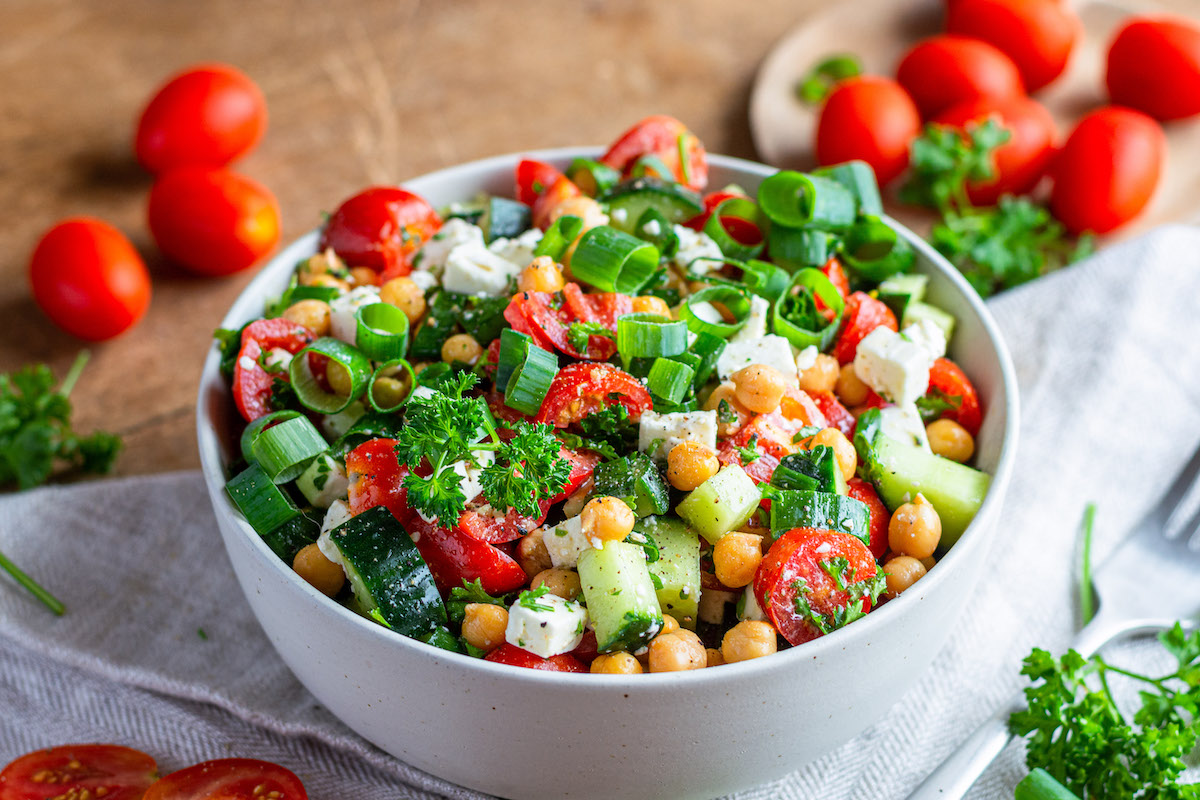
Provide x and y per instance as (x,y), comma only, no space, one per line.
(51,602)
(68,381)
(1087,597)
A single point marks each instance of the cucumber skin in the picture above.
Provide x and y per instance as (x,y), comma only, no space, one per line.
(677,567)
(629,619)
(504,218)
(825,511)
(674,202)
(704,510)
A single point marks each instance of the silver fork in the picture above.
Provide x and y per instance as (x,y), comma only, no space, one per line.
(1151,580)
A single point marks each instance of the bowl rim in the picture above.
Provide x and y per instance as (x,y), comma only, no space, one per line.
(972,538)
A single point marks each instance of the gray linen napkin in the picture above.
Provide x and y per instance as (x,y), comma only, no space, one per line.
(1108,358)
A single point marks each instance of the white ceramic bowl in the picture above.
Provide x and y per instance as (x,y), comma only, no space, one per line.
(524,733)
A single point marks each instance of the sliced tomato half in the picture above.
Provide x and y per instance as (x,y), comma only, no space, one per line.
(548,318)
(251,381)
(229,779)
(515,656)
(585,388)
(880,516)
(953,386)
(377,479)
(534,178)
(667,139)
(454,556)
(863,314)
(836,414)
(79,770)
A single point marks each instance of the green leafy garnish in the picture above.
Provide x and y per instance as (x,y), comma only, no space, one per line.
(814,87)
(725,413)
(529,599)
(749,453)
(935,403)
(609,432)
(807,432)
(579,334)
(463,596)
(842,573)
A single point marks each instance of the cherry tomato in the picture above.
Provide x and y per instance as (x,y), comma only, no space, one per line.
(556,193)
(586,651)
(868,118)
(381,228)
(515,656)
(836,273)
(454,556)
(943,71)
(799,408)
(582,465)
(836,414)
(669,140)
(88,279)
(1154,67)
(1038,35)
(534,178)
(79,770)
(229,779)
(585,388)
(377,479)
(206,116)
(760,468)
(880,516)
(951,384)
(863,314)
(212,221)
(540,315)
(1107,170)
(252,384)
(1021,161)
(793,568)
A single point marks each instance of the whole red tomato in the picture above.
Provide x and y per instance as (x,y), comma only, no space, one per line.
(1038,35)
(943,71)
(381,228)
(868,118)
(1154,66)
(208,115)
(1107,170)
(1022,160)
(213,221)
(88,279)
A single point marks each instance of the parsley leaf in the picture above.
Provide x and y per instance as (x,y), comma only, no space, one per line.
(528,467)
(468,593)
(935,403)
(529,599)
(725,413)
(609,432)
(749,453)
(580,333)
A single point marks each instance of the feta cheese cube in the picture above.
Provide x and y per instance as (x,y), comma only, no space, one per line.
(338,513)
(652,228)
(693,245)
(772,350)
(471,484)
(664,431)
(756,322)
(473,269)
(277,360)
(432,256)
(519,250)
(928,335)
(893,365)
(424,280)
(323,481)
(565,542)
(750,608)
(903,423)
(342,324)
(807,358)
(546,624)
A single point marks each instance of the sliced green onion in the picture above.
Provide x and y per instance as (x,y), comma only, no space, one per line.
(650,335)
(796,315)
(793,249)
(284,450)
(859,178)
(433,373)
(558,237)
(709,348)
(592,177)
(654,227)
(765,279)
(685,167)
(513,345)
(613,261)
(390,369)
(795,200)
(715,228)
(653,166)
(264,505)
(531,381)
(382,331)
(874,251)
(310,392)
(731,297)
(256,427)
(669,379)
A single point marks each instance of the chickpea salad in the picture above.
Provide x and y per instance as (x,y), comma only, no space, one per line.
(615,423)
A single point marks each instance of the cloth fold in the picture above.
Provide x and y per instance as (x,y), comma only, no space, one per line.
(159,650)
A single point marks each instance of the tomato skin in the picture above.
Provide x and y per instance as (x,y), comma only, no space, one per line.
(88,279)
(251,382)
(949,379)
(556,193)
(208,116)
(515,656)
(660,135)
(868,118)
(581,389)
(377,479)
(943,71)
(454,556)
(1021,161)
(836,414)
(1154,67)
(1107,170)
(382,228)
(536,314)
(863,314)
(121,772)
(212,221)
(229,779)
(836,273)
(880,516)
(534,178)
(1038,35)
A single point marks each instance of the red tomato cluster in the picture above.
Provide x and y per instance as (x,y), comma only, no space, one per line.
(87,276)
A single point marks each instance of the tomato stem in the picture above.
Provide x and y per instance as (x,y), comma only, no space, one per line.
(51,602)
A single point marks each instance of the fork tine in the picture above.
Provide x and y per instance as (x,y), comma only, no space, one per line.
(1168,508)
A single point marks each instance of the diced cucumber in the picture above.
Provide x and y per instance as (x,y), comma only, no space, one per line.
(387,573)
(323,481)
(291,537)
(503,218)
(900,290)
(677,567)
(635,480)
(620,596)
(813,470)
(916,311)
(721,504)
(821,510)
(628,201)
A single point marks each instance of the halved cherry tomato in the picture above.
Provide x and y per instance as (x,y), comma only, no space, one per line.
(868,118)
(1154,67)
(793,567)
(799,407)
(760,469)
(381,228)
(863,314)
(586,650)
(556,193)
(88,278)
(880,516)
(836,273)
(836,414)
(79,770)
(251,381)
(515,656)
(454,556)
(534,178)
(548,320)
(942,71)
(508,527)
(953,385)
(585,388)
(377,479)
(668,139)
(229,779)
(1038,35)
(582,466)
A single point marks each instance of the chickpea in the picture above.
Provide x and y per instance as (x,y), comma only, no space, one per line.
(390,392)
(583,207)
(928,563)
(560,581)
(532,554)
(339,378)
(715,658)
(618,663)
(902,572)
(670,624)
(542,275)
(573,507)
(363,276)
(320,573)
(312,314)
(484,624)
(461,347)
(748,639)
(736,557)
(847,456)
(405,295)
(678,651)
(759,387)
(327,281)
(726,392)
(326,263)
(850,388)
(690,464)
(821,376)
(649,304)
(950,440)
(608,519)
(915,529)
